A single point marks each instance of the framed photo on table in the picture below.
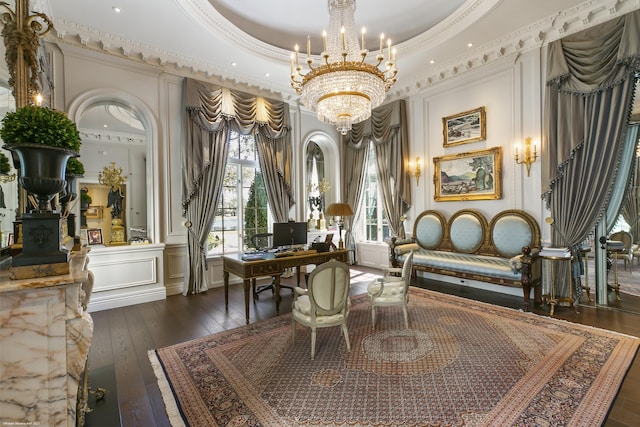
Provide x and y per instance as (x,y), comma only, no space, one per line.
(465,127)
(476,175)
(94,236)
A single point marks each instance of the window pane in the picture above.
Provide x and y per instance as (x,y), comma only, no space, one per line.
(243,208)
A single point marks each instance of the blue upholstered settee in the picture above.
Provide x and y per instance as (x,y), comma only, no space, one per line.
(503,250)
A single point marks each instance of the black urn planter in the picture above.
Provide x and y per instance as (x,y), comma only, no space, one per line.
(42,170)
(42,173)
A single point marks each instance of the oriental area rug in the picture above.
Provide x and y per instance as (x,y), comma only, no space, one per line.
(461,363)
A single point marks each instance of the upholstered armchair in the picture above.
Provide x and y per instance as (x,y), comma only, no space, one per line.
(325,302)
(391,290)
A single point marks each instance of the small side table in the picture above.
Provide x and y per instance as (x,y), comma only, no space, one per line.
(548,280)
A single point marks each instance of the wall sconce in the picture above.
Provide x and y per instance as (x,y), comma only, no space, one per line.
(414,170)
(527,159)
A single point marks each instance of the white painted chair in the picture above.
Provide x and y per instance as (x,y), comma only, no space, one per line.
(325,302)
(391,291)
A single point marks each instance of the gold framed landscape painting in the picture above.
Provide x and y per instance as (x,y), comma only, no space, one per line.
(475,175)
(465,127)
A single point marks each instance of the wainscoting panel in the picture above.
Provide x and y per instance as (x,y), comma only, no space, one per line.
(175,258)
(126,275)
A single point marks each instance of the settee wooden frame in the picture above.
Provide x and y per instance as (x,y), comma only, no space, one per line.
(530,265)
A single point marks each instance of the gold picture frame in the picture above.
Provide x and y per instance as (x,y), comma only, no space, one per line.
(462,128)
(93,212)
(475,175)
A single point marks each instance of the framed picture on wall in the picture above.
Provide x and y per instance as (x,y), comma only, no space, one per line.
(465,127)
(94,236)
(476,175)
(93,212)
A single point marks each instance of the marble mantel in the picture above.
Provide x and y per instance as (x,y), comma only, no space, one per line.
(44,342)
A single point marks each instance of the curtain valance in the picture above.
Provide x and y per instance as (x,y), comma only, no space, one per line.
(212,108)
(597,58)
(383,122)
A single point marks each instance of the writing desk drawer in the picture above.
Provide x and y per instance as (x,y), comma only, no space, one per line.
(265,269)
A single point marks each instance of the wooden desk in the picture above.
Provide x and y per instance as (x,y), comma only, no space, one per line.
(270,266)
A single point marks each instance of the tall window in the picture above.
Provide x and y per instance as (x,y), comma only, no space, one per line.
(375,221)
(243,208)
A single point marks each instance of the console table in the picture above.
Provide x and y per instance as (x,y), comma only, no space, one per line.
(271,265)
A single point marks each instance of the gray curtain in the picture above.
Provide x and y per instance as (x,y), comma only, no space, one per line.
(589,92)
(353,171)
(388,130)
(211,113)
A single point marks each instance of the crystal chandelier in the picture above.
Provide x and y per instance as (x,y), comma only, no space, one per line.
(343,88)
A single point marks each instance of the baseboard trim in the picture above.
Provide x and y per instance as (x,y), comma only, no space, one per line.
(125,298)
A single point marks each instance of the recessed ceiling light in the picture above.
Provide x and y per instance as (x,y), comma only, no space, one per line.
(267,74)
(469,44)
(233,64)
(104,126)
(116,9)
(432,62)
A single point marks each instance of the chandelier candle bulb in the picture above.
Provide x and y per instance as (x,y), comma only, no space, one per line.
(381,42)
(308,46)
(324,41)
(364,32)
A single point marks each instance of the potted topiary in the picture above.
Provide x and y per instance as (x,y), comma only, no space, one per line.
(44,139)
(85,199)
(74,170)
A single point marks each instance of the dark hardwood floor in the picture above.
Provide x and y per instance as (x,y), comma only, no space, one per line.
(123,336)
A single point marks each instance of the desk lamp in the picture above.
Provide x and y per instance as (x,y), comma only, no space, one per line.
(339,210)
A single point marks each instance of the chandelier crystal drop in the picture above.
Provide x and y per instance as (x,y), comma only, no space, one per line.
(343,88)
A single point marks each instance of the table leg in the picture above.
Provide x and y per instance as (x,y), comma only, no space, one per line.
(298,275)
(277,285)
(247,288)
(586,278)
(226,289)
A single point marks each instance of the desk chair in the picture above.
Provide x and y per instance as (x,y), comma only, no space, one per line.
(264,242)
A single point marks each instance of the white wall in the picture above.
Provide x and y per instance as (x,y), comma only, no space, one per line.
(511,95)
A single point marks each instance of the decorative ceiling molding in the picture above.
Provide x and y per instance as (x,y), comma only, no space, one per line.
(173,63)
(92,136)
(449,27)
(534,36)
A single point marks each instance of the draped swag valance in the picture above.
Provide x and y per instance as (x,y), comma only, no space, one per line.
(387,129)
(209,107)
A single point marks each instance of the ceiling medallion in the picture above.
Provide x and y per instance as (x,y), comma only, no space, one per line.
(343,88)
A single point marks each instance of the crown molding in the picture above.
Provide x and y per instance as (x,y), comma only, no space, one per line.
(534,36)
(92,136)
